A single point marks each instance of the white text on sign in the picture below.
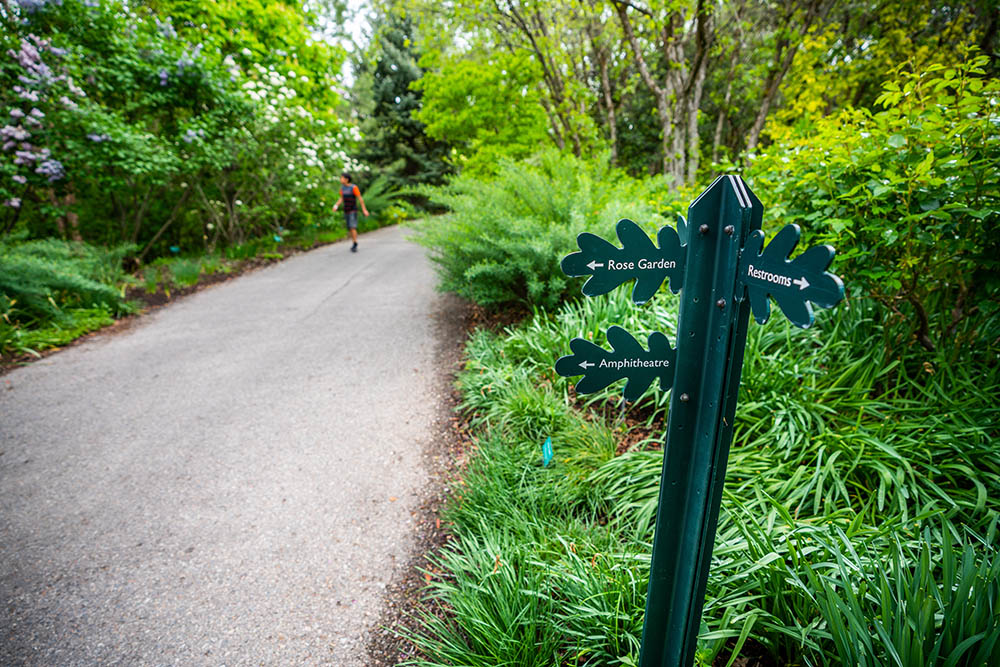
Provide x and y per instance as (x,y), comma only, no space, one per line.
(643,264)
(775,278)
(634,363)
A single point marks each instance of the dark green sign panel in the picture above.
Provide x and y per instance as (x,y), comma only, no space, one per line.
(638,259)
(626,360)
(792,283)
(718,261)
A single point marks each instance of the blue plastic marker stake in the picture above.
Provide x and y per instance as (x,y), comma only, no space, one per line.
(547,452)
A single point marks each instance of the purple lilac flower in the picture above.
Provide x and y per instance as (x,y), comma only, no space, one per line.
(98,138)
(14,202)
(18,178)
(36,113)
(8,145)
(68,103)
(16,113)
(189,136)
(24,157)
(166,28)
(25,94)
(53,169)
(91,3)
(11,132)
(56,51)
(30,58)
(163,77)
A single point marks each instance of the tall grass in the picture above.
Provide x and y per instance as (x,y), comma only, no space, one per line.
(858,524)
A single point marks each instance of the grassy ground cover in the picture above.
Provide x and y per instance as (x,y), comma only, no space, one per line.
(858,525)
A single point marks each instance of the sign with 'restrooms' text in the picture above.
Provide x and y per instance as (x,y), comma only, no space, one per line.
(718,262)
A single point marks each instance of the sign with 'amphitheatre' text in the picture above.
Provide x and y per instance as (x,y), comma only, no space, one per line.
(718,262)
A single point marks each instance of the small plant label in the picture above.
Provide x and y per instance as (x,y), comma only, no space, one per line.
(547,452)
(719,264)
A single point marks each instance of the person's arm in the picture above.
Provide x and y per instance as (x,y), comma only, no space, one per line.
(339,202)
(357,193)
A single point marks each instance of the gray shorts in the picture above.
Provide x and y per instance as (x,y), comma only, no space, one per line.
(351,218)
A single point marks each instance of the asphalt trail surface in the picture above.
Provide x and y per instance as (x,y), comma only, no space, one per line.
(230,482)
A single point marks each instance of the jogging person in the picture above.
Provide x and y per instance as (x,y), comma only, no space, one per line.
(350,197)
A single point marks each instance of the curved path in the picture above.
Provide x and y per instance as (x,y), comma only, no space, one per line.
(230,482)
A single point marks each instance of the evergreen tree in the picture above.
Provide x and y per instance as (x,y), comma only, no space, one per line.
(395,144)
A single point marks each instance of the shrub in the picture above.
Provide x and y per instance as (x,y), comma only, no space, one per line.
(39,279)
(850,466)
(502,242)
(909,196)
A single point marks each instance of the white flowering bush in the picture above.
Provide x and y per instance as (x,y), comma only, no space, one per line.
(118,124)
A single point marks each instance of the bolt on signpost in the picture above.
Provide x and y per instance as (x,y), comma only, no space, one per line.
(717,261)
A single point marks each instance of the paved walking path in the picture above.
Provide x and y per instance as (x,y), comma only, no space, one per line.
(231,481)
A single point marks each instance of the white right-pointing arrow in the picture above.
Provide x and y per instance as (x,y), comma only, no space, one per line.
(587,364)
(801,282)
(594,264)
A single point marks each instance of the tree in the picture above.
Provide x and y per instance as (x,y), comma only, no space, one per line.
(680,35)
(396,144)
(488,109)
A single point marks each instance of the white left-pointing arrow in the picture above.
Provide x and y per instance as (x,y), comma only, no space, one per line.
(801,282)
(587,364)
(594,264)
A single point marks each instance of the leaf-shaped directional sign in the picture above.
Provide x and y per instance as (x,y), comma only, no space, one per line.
(626,360)
(792,283)
(609,266)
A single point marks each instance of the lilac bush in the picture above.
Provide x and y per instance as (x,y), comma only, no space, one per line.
(118,123)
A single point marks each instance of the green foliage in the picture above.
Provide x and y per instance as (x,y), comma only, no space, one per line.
(503,240)
(167,123)
(379,197)
(59,290)
(396,145)
(909,196)
(16,340)
(489,110)
(852,464)
(930,603)
(38,278)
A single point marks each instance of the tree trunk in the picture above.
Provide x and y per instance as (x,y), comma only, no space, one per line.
(679,96)
(784,55)
(609,106)
(694,104)
(724,110)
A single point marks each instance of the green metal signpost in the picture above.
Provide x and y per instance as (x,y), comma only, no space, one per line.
(718,262)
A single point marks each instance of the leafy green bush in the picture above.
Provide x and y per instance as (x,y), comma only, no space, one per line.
(503,240)
(379,198)
(909,196)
